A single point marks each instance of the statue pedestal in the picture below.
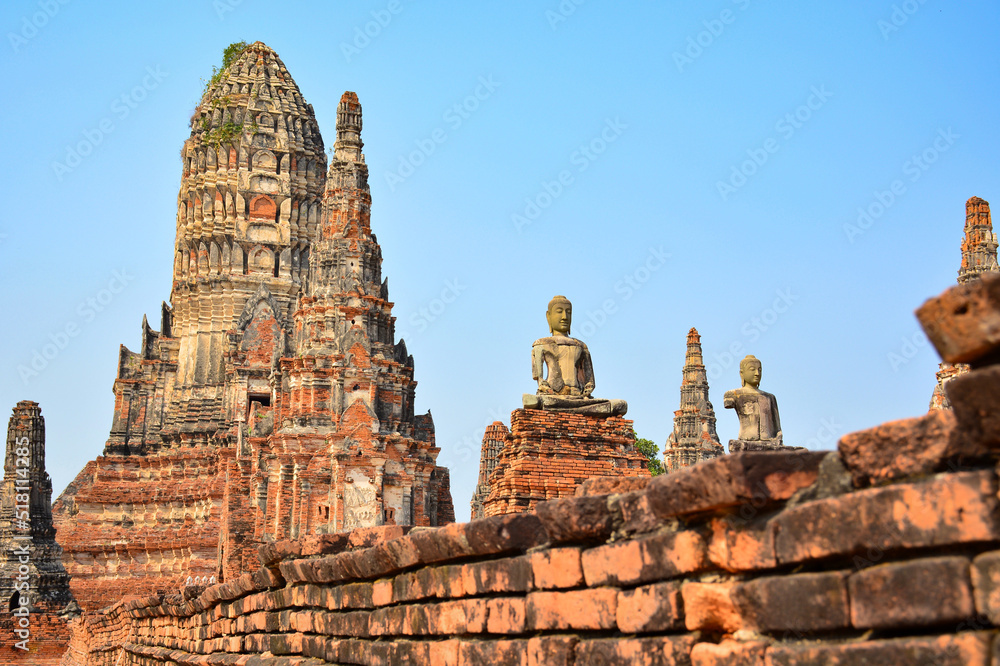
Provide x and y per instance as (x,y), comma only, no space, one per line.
(549,454)
(740,445)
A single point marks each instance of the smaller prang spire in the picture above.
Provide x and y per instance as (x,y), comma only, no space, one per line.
(694,438)
(979,247)
(979,255)
(493,439)
(348,145)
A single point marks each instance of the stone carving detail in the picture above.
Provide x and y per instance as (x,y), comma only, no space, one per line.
(564,371)
(361,505)
(760,426)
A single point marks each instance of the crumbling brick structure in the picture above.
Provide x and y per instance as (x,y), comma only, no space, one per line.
(549,454)
(274,401)
(886,551)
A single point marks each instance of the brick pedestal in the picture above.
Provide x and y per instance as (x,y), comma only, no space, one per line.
(548,454)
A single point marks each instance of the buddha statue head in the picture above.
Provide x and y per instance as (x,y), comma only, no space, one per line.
(559,315)
(750,370)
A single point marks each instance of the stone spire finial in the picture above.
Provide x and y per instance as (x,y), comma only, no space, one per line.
(348,145)
(694,438)
(979,247)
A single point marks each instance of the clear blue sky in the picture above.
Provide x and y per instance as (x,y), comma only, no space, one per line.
(739,138)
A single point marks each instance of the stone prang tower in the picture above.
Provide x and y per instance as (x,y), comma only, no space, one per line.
(274,402)
(979,255)
(26,532)
(694,438)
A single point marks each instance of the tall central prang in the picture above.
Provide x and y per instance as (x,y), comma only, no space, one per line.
(274,402)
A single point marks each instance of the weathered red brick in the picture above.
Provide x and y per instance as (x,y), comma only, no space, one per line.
(551,650)
(494,653)
(741,545)
(906,448)
(917,593)
(659,651)
(642,560)
(711,607)
(453,618)
(509,533)
(556,567)
(729,653)
(963,323)
(756,478)
(651,608)
(947,509)
(505,615)
(510,574)
(794,603)
(612,485)
(965,649)
(576,518)
(575,609)
(974,398)
(986,585)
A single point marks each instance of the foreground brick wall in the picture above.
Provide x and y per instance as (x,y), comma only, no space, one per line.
(756,558)
(886,551)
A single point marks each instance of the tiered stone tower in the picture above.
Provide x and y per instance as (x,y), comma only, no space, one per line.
(979,255)
(694,438)
(274,402)
(34,585)
(493,439)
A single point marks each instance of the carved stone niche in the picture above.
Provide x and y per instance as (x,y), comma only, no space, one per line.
(361,505)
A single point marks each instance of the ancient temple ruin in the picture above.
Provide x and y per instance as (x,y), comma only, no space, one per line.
(274,402)
(35,597)
(493,439)
(693,438)
(979,256)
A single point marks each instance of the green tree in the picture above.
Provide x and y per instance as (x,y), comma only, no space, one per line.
(652,453)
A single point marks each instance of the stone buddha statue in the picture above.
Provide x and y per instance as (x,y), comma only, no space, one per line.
(569,380)
(760,427)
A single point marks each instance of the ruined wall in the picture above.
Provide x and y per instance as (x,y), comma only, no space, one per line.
(886,551)
(755,558)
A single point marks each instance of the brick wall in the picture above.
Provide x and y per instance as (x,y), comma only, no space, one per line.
(754,558)
(886,551)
